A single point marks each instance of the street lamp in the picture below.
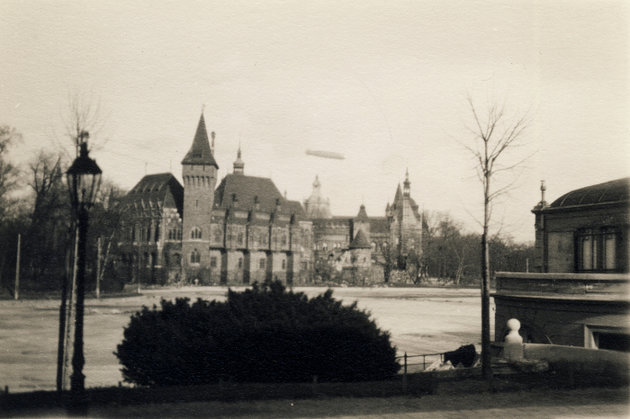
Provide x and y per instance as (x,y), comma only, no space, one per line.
(84,180)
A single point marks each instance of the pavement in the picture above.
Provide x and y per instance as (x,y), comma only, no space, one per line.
(564,403)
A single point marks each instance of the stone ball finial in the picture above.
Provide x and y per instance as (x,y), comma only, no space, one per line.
(513,348)
(514,325)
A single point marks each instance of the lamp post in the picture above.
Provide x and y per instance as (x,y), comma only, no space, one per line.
(84,179)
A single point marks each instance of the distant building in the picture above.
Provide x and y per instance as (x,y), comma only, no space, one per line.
(392,239)
(243,230)
(580,295)
(240,232)
(316,206)
(150,247)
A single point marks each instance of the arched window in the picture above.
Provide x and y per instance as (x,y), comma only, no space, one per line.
(240,263)
(195,233)
(284,263)
(262,263)
(195,257)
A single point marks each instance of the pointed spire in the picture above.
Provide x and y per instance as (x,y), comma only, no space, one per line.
(316,183)
(212,135)
(362,215)
(407,184)
(239,164)
(200,152)
(398,195)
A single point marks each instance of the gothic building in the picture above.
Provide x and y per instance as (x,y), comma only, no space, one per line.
(242,231)
(391,239)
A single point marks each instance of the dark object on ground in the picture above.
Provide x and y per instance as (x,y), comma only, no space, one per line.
(464,355)
(263,334)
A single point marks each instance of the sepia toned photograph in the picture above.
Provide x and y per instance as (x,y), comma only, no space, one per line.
(406,208)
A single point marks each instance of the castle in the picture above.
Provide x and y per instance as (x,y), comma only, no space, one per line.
(244,230)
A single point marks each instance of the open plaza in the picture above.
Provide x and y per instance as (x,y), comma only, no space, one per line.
(420,320)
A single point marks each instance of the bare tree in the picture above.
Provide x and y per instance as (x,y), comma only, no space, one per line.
(8,172)
(47,234)
(494,134)
(84,119)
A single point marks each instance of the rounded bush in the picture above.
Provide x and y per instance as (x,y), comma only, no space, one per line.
(263,334)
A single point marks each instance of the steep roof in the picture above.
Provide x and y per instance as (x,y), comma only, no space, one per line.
(251,189)
(295,207)
(362,215)
(614,191)
(360,241)
(200,152)
(161,188)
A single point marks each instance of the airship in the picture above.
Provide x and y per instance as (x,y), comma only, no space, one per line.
(325,154)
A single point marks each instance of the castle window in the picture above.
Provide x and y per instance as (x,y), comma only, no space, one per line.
(284,264)
(261,263)
(195,257)
(179,234)
(239,238)
(240,263)
(284,239)
(195,233)
(213,262)
(218,235)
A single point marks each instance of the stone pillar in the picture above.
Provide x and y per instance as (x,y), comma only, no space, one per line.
(513,347)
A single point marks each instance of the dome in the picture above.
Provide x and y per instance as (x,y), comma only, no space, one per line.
(603,193)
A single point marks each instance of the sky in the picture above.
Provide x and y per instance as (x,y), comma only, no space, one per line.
(385,83)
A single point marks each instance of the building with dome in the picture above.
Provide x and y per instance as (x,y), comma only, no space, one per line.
(578,292)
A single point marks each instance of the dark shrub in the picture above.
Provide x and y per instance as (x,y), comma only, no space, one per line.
(263,334)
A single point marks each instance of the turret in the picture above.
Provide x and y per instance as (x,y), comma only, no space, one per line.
(239,164)
(199,172)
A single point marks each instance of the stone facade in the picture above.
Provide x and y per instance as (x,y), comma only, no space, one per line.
(580,295)
(390,239)
(242,230)
(151,231)
(586,230)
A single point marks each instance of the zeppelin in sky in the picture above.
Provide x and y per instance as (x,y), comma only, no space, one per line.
(325,154)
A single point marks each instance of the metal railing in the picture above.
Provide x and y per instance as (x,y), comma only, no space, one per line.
(432,358)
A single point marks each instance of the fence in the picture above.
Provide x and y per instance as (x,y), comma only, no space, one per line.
(427,359)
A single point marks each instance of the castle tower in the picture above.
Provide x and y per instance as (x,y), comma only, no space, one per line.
(199,172)
(239,164)
(405,223)
(361,223)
